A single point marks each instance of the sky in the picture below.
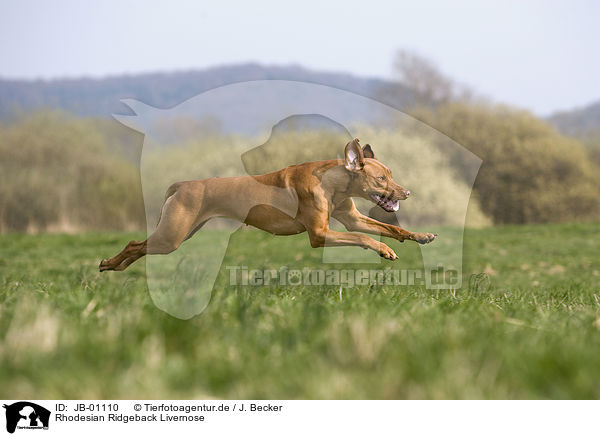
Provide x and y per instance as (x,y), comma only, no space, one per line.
(539,55)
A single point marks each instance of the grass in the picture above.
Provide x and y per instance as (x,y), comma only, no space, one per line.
(67,331)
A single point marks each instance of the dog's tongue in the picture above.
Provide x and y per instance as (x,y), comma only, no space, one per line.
(393,205)
(386,203)
(390,205)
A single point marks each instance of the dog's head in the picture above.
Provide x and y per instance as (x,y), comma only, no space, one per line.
(372,179)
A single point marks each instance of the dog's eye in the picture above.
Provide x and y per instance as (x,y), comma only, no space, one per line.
(382,178)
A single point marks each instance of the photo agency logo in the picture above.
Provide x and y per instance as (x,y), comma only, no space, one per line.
(286,276)
(253,128)
(24,415)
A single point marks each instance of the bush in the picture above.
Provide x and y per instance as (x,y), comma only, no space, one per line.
(56,174)
(530,173)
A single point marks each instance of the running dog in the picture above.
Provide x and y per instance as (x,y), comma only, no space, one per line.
(296,199)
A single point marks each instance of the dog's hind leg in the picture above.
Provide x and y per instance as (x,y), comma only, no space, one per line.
(132,252)
(179,219)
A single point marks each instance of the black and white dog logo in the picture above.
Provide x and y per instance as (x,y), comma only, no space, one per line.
(26,415)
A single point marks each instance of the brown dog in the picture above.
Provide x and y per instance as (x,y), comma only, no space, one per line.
(286,202)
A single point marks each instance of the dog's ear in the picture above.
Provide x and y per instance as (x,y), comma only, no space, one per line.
(354,156)
(368,152)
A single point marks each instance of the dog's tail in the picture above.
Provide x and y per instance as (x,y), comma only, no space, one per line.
(171,190)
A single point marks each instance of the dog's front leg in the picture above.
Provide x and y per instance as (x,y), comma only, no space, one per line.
(354,221)
(322,236)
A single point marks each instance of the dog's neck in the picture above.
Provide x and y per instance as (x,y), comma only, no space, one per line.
(338,182)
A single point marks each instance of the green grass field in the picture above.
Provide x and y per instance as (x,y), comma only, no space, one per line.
(67,331)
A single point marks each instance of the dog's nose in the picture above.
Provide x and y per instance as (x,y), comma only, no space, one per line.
(406,192)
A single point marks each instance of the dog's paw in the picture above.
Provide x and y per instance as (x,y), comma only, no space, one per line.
(424,238)
(103,265)
(387,253)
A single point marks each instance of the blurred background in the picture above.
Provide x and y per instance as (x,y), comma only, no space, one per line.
(515,83)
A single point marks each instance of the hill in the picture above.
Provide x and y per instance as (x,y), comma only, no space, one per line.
(582,123)
(578,122)
(101,97)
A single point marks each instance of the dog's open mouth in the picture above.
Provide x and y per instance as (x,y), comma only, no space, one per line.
(385,203)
